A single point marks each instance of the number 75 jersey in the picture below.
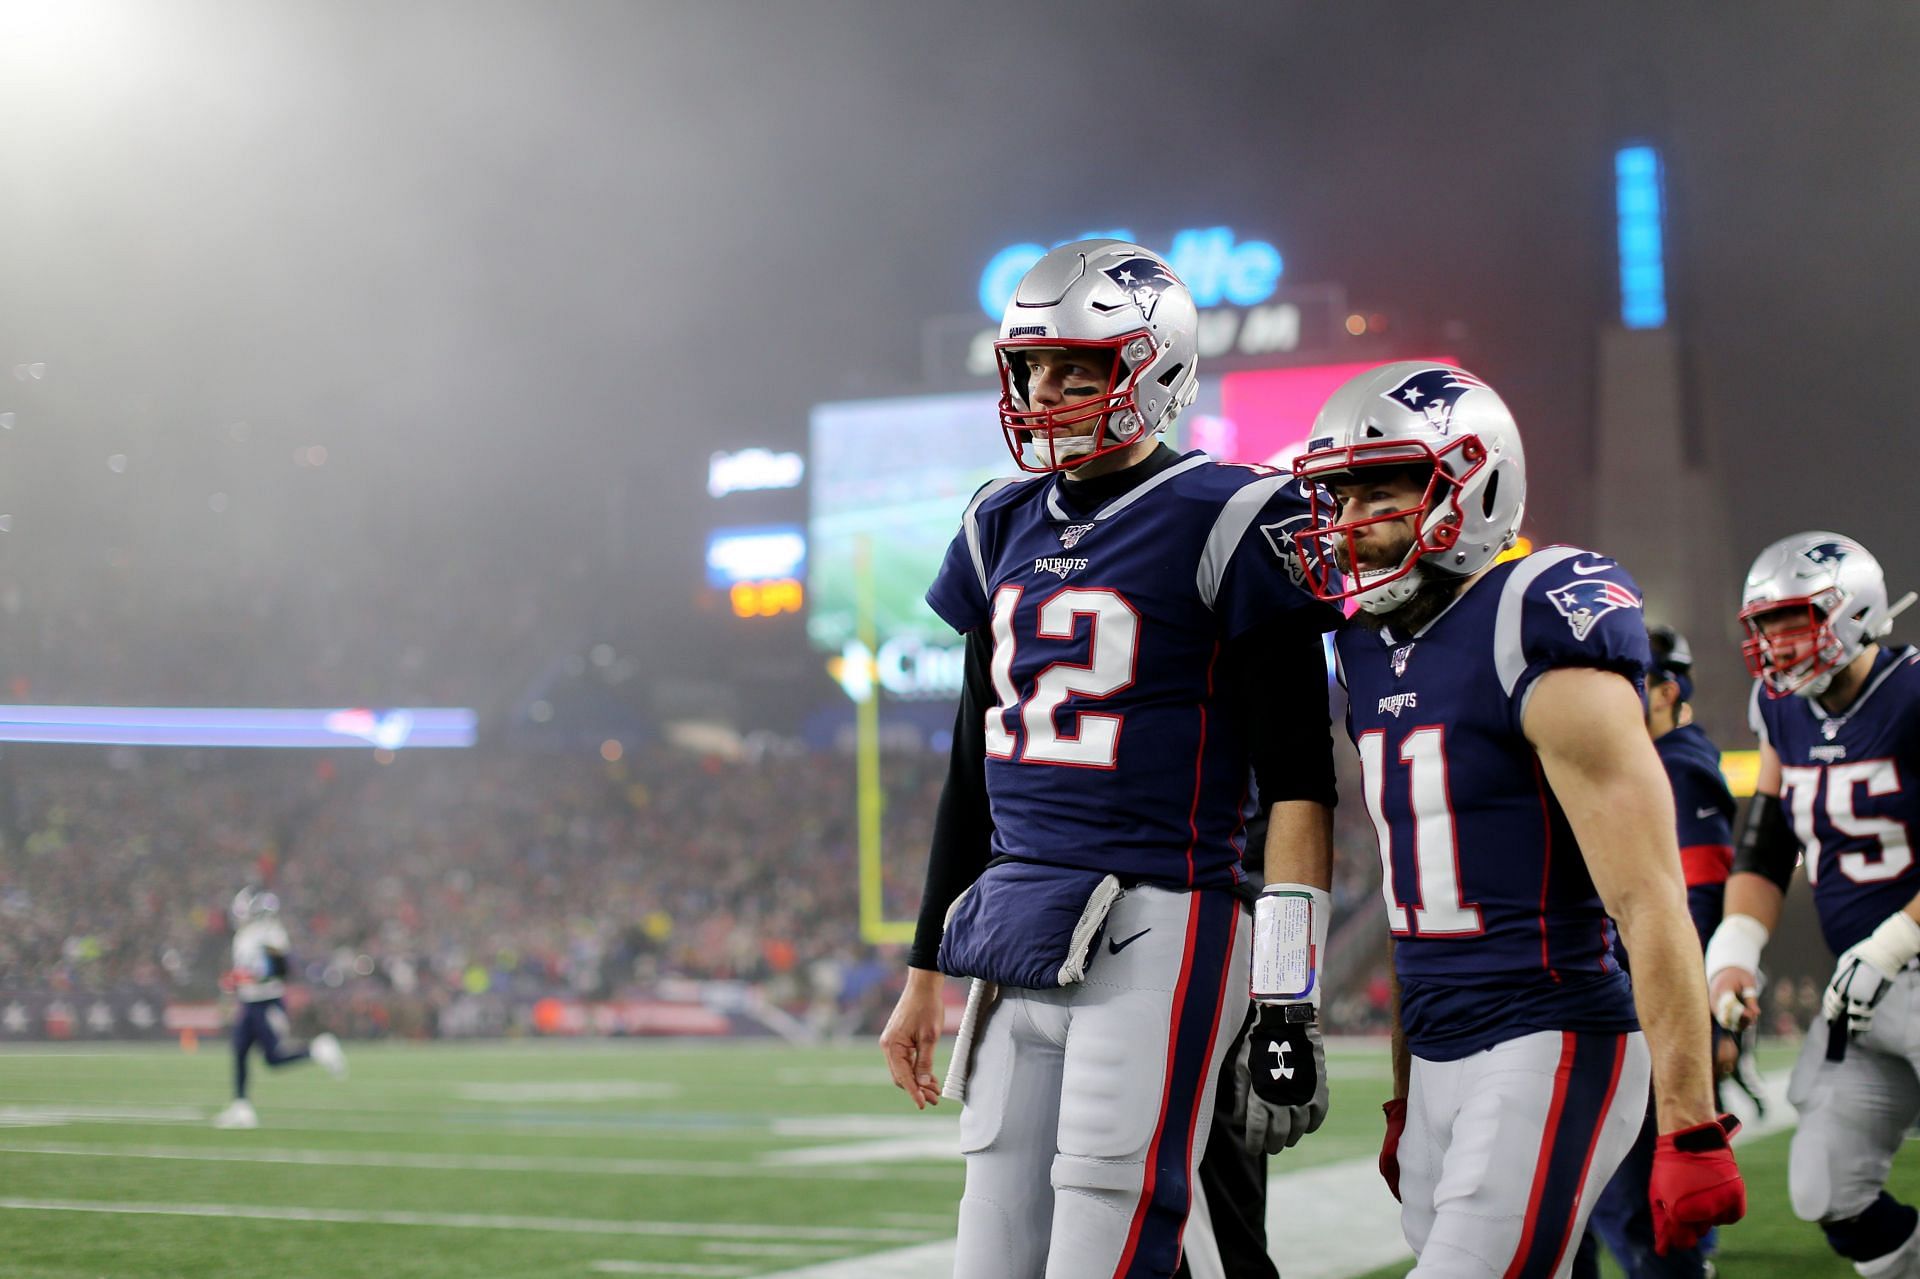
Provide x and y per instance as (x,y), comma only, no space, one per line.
(1110,745)
(1498,928)
(1850,784)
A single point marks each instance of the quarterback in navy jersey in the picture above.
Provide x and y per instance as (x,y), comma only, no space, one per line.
(1118,729)
(1838,716)
(1520,810)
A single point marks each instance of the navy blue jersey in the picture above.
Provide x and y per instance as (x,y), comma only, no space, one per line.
(1705,810)
(1106,629)
(1848,784)
(1498,929)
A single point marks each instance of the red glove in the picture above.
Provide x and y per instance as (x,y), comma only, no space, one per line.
(1695,1184)
(1390,1149)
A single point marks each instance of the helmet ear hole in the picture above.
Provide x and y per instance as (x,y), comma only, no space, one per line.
(1487,498)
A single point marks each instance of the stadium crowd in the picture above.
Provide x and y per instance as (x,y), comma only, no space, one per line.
(410,883)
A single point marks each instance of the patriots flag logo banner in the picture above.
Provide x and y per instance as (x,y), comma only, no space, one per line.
(1435,392)
(1586,600)
(1142,279)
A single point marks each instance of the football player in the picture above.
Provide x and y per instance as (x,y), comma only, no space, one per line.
(258,980)
(1520,810)
(1137,649)
(1622,1215)
(1838,717)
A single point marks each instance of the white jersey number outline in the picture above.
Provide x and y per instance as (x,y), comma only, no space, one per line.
(1113,644)
(1436,848)
(1799,794)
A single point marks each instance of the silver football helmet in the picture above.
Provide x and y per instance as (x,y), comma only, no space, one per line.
(1823,599)
(1122,303)
(252,903)
(1442,420)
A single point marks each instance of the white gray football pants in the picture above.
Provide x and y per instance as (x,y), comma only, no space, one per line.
(1855,1113)
(1506,1150)
(1088,1105)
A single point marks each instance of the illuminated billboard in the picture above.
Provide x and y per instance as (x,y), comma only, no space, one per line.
(762,553)
(889,479)
(389,728)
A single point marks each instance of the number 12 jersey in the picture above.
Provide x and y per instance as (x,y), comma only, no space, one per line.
(1110,746)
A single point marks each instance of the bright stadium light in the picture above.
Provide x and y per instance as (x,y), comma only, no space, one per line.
(1640,203)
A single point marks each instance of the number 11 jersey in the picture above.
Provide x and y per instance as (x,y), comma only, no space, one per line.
(1498,929)
(1109,746)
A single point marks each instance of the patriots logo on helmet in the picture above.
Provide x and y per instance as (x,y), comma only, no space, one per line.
(1586,600)
(1435,392)
(1143,280)
(1827,553)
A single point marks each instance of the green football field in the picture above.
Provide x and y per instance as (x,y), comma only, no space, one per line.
(736,1159)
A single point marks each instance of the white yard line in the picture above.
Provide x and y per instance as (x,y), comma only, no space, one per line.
(616,1267)
(934,1148)
(797,1251)
(470,1221)
(29,1115)
(480,1163)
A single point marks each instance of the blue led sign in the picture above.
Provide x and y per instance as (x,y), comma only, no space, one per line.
(1216,268)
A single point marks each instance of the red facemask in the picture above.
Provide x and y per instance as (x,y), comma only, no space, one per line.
(1811,640)
(1115,410)
(1328,544)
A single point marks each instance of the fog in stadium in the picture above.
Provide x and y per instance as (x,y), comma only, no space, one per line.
(560,367)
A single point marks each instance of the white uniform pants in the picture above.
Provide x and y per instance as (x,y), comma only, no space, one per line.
(1854,1113)
(1505,1151)
(1087,1106)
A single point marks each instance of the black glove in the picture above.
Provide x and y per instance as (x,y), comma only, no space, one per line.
(1268,1127)
(1285,1055)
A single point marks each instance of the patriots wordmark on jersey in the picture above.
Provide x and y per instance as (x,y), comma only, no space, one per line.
(1499,930)
(1106,628)
(1848,786)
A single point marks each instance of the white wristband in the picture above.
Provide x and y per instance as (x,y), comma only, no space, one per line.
(1892,945)
(1289,943)
(1735,944)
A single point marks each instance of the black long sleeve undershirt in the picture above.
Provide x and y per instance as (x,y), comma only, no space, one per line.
(1273,674)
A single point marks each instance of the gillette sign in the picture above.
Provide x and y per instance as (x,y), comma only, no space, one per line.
(1218,269)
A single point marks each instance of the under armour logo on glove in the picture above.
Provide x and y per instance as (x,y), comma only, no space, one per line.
(1279,1079)
(1695,1184)
(1285,1049)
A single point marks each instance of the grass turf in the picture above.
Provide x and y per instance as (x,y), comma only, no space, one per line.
(495,1161)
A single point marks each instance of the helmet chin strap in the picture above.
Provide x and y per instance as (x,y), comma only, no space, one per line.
(1816,686)
(1388,596)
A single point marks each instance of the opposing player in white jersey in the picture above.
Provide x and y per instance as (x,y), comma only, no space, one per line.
(1838,716)
(1521,810)
(258,981)
(1143,675)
